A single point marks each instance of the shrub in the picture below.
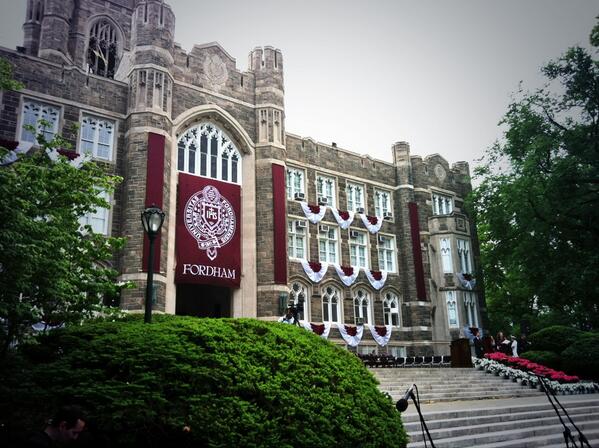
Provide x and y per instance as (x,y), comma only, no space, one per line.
(232,382)
(553,339)
(546,358)
(582,357)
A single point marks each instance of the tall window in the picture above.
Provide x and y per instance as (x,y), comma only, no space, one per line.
(207,151)
(299,294)
(325,187)
(97,137)
(386,251)
(362,307)
(470,305)
(464,255)
(98,219)
(391,309)
(34,112)
(295,182)
(328,249)
(296,238)
(358,249)
(331,299)
(446,255)
(442,204)
(452,308)
(382,202)
(102,49)
(355,197)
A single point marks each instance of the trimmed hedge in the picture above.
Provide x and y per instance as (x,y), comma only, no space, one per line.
(554,339)
(545,358)
(231,382)
(582,356)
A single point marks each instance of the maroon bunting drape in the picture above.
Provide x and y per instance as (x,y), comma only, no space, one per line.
(279,200)
(154,189)
(208,241)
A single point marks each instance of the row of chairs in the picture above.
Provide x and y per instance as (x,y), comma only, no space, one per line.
(371,360)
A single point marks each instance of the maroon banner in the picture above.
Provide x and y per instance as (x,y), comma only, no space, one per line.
(208,241)
(154,188)
(417,251)
(279,203)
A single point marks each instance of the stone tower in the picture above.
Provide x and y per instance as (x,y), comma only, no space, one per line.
(148,143)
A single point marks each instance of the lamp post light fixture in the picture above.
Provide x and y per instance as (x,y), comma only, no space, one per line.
(152,219)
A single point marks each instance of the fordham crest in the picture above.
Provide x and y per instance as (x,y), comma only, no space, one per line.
(210,219)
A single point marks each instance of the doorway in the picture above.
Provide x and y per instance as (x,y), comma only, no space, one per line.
(203,301)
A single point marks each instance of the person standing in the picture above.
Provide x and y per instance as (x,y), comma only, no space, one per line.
(63,428)
(514,346)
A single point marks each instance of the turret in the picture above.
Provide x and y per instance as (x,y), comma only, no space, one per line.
(55,26)
(32,26)
(267,65)
(401,160)
(153,31)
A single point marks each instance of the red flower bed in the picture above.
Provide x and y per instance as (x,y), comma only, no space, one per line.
(532,367)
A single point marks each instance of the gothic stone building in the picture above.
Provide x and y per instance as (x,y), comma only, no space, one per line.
(386,243)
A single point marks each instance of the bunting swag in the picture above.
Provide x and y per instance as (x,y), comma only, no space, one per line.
(467,281)
(314,213)
(351,335)
(372,223)
(208,232)
(376,278)
(315,270)
(344,218)
(321,330)
(347,274)
(381,334)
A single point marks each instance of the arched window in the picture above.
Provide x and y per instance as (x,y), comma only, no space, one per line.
(331,300)
(102,49)
(217,157)
(391,309)
(362,307)
(470,305)
(299,295)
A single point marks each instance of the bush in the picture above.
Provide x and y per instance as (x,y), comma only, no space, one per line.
(545,358)
(582,357)
(232,382)
(553,339)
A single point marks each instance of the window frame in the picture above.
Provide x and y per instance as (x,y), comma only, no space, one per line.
(388,311)
(327,240)
(464,256)
(451,305)
(332,199)
(294,297)
(94,153)
(350,190)
(379,210)
(353,244)
(393,250)
(329,305)
(88,217)
(446,254)
(361,303)
(290,189)
(442,204)
(471,305)
(293,234)
(38,129)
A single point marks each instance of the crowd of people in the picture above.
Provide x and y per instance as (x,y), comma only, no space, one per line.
(511,346)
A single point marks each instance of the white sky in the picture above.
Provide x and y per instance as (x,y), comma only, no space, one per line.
(437,74)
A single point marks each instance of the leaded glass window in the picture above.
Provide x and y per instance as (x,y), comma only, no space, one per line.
(362,307)
(331,299)
(102,49)
(97,137)
(43,117)
(386,250)
(391,309)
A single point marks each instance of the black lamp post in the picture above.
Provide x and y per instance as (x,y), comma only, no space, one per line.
(152,219)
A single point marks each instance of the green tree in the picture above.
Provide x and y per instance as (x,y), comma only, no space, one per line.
(50,267)
(537,205)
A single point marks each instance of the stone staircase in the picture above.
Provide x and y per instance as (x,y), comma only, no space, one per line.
(466,408)
(445,384)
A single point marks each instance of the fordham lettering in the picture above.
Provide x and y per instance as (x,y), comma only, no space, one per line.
(201,270)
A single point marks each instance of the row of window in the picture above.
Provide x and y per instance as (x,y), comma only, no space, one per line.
(326,190)
(332,305)
(96,136)
(331,302)
(329,245)
(463,254)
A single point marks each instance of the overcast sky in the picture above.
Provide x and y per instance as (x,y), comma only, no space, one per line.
(437,74)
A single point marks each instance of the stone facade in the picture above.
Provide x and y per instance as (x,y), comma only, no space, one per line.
(118,60)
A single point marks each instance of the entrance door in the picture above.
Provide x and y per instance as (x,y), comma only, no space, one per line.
(203,301)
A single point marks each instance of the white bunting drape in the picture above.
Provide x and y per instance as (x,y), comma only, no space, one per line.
(354,340)
(315,276)
(381,340)
(314,218)
(372,228)
(343,223)
(347,280)
(468,284)
(376,284)
(314,328)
